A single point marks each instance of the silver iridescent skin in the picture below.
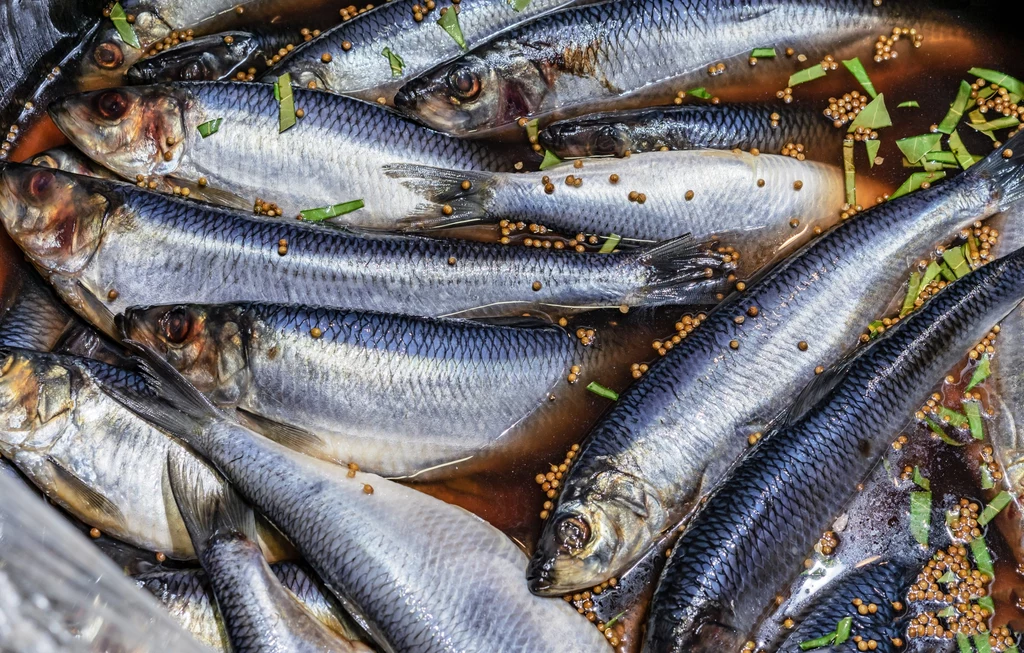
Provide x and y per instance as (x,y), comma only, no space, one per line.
(419,574)
(107,246)
(664,444)
(748,541)
(335,153)
(361,69)
(189,600)
(396,395)
(609,56)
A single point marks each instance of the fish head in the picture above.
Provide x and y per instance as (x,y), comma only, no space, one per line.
(35,401)
(574,139)
(204,343)
(475,93)
(592,537)
(131,130)
(107,58)
(206,58)
(55,217)
(69,160)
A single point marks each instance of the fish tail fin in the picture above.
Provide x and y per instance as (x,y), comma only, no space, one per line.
(208,505)
(453,197)
(683,270)
(1005,169)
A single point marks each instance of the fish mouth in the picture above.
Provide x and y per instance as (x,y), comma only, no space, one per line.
(538,578)
(407,99)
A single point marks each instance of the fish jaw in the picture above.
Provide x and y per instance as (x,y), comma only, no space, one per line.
(131,130)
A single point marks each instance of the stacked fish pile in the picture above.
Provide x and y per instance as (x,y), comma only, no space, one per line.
(302,277)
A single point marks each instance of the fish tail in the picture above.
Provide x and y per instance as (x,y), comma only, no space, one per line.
(453,197)
(208,505)
(1005,169)
(683,270)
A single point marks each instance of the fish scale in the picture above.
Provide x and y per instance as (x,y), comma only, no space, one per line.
(663,443)
(747,540)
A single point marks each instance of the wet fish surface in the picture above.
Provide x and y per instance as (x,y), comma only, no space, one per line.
(355,63)
(189,600)
(128,131)
(396,395)
(420,574)
(598,58)
(691,127)
(663,444)
(127,240)
(747,541)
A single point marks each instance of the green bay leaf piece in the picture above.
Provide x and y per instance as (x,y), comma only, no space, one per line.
(956,110)
(915,147)
(873,116)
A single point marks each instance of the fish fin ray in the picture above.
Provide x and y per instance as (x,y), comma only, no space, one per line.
(208,505)
(1005,168)
(816,390)
(293,437)
(678,271)
(215,196)
(443,188)
(74,485)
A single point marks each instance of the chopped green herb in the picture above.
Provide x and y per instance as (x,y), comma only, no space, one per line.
(976,117)
(610,244)
(824,640)
(986,92)
(123,27)
(973,411)
(611,622)
(806,75)
(937,430)
(913,290)
(277,92)
(850,173)
(873,116)
(939,156)
(286,102)
(915,182)
(1011,649)
(915,147)
(994,507)
(920,516)
(931,273)
(929,166)
(963,157)
(602,391)
(1011,84)
(987,603)
(843,630)
(954,258)
(981,371)
(532,129)
(912,104)
(981,643)
(396,62)
(982,558)
(837,636)
(327,212)
(763,53)
(956,110)
(872,148)
(519,5)
(700,92)
(963,643)
(450,23)
(948,611)
(1005,122)
(550,159)
(209,128)
(948,577)
(947,273)
(956,419)
(877,327)
(856,68)
(920,480)
(987,482)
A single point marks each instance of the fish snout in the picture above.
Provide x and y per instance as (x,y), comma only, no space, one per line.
(407,99)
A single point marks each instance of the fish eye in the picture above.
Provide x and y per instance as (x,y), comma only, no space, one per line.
(40,184)
(572,533)
(464,83)
(112,105)
(108,55)
(175,325)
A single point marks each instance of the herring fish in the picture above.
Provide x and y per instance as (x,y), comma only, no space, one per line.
(260,615)
(88,453)
(58,592)
(107,246)
(396,395)
(606,57)
(152,131)
(212,57)
(743,545)
(380,545)
(350,58)
(70,160)
(189,601)
(764,206)
(664,443)
(692,127)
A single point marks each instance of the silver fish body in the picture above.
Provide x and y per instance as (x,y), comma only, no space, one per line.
(664,444)
(603,57)
(249,161)
(396,395)
(137,248)
(743,546)
(189,601)
(356,65)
